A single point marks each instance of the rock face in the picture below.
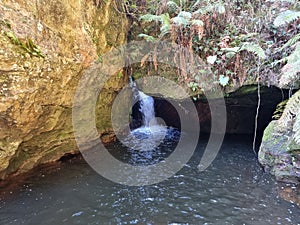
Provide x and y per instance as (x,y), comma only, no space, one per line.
(280,149)
(44,48)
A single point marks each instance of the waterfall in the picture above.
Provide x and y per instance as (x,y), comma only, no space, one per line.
(147,131)
(147,109)
(146,105)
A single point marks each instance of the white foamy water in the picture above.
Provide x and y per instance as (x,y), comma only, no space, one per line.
(147,109)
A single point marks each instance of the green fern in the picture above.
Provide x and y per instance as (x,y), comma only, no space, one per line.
(172,7)
(185,15)
(292,116)
(200,9)
(220,8)
(255,48)
(165,21)
(247,46)
(150,18)
(166,24)
(289,72)
(286,17)
(180,21)
(233,49)
(198,23)
(291,110)
(290,42)
(147,37)
(279,110)
(27,45)
(290,1)
(172,4)
(204,10)
(296,129)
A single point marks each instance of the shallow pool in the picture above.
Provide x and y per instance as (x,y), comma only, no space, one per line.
(232,190)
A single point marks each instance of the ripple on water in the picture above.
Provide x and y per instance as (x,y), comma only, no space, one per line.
(233,190)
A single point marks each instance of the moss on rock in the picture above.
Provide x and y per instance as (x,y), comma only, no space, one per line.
(278,154)
(36,93)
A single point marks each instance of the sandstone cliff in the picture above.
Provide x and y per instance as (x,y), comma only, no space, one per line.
(44,48)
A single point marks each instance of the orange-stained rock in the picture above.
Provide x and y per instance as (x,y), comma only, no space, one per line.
(44,48)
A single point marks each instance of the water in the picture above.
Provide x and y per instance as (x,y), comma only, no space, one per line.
(233,190)
(147,109)
(146,145)
(146,106)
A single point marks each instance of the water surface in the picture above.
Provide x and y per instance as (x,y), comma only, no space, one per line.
(233,190)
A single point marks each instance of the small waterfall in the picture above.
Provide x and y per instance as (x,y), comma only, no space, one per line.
(131,82)
(146,105)
(147,132)
(147,109)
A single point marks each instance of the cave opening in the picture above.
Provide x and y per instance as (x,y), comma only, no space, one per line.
(246,113)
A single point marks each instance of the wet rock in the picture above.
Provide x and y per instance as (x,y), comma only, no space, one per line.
(279,155)
(289,193)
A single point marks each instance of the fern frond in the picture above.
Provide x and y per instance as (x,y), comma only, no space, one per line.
(165,19)
(234,49)
(209,6)
(172,6)
(147,37)
(296,129)
(180,21)
(185,15)
(204,10)
(289,72)
(279,110)
(164,30)
(276,62)
(255,48)
(290,42)
(198,23)
(290,1)
(291,110)
(220,8)
(150,18)
(196,5)
(286,17)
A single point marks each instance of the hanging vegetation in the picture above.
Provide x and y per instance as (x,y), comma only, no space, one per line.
(244,42)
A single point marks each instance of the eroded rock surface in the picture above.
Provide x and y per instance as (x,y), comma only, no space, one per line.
(44,48)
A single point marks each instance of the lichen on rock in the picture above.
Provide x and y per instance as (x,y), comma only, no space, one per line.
(280,152)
